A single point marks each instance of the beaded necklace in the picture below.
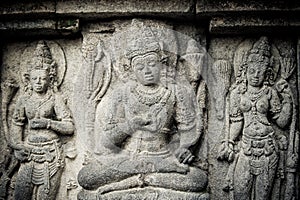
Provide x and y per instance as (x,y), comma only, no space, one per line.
(148,95)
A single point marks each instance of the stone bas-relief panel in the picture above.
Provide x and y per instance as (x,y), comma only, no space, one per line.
(258,136)
(37,140)
(137,109)
(147,122)
(40,152)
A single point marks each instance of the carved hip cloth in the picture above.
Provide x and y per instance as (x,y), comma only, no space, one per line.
(261,151)
(46,158)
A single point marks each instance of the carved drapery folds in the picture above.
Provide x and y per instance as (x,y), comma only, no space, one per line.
(150,109)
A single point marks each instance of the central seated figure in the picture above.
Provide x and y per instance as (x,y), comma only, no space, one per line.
(139,121)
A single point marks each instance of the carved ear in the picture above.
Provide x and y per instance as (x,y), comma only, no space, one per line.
(269,77)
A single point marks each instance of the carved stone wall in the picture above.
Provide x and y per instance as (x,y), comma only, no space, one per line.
(149,99)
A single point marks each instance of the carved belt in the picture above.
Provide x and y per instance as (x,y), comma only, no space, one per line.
(258,146)
(140,144)
(45,151)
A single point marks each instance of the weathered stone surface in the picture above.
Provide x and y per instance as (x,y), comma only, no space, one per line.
(14,79)
(261,7)
(39,27)
(142,154)
(149,100)
(256,155)
(256,25)
(100,9)
(34,9)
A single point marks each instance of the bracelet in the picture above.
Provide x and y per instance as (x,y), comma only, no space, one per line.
(49,124)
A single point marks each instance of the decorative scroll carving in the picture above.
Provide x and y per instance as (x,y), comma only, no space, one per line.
(147,124)
(39,119)
(261,141)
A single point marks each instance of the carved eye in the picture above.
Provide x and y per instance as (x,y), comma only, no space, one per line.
(151,63)
(139,66)
(251,71)
(33,78)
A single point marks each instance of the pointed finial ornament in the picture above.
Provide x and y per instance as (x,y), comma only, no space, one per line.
(42,58)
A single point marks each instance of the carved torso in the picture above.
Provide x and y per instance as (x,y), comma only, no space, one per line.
(155,106)
(50,107)
(254,109)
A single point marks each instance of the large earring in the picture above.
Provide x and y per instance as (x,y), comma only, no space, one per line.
(27,84)
(269,79)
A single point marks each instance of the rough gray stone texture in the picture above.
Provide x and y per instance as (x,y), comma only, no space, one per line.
(44,27)
(96,8)
(134,157)
(23,8)
(149,99)
(233,182)
(217,7)
(254,25)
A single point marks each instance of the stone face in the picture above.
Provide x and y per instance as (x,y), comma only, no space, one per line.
(149,100)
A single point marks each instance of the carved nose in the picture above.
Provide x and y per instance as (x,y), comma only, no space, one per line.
(147,70)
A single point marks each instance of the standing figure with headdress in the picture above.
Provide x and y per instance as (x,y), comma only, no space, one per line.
(40,117)
(255,108)
(138,119)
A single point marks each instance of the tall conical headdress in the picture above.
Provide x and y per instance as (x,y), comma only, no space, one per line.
(42,60)
(260,52)
(42,57)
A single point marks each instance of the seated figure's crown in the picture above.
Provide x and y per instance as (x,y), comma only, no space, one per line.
(141,41)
